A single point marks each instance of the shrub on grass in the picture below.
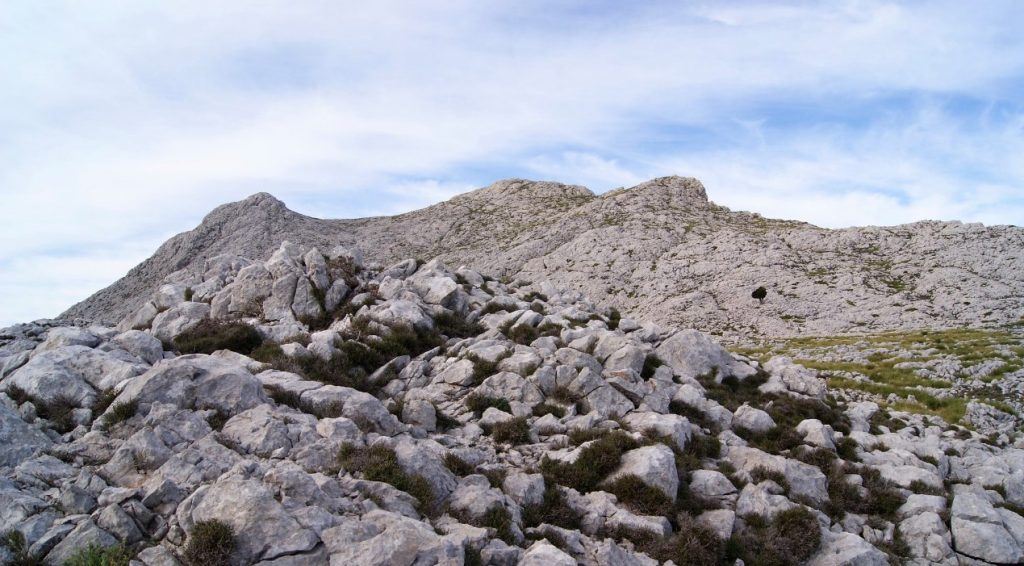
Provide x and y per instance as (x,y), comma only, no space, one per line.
(211,335)
(210,544)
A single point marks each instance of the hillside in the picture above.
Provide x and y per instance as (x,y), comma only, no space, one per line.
(314,409)
(660,251)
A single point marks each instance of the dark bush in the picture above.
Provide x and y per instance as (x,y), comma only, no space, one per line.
(480,403)
(693,414)
(15,542)
(512,431)
(846,448)
(454,325)
(380,463)
(210,544)
(523,334)
(493,307)
(548,409)
(639,497)
(17,394)
(497,518)
(58,411)
(564,394)
(120,412)
(482,369)
(760,293)
(594,463)
(548,328)
(211,335)
(651,364)
(614,317)
(552,510)
(774,440)
(457,465)
(795,534)
(760,474)
(693,544)
(918,486)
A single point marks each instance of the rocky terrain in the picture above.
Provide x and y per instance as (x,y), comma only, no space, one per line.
(659,251)
(324,408)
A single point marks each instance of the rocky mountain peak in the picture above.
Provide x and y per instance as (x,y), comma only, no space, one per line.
(688,187)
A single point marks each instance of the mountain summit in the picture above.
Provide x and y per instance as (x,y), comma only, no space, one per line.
(660,250)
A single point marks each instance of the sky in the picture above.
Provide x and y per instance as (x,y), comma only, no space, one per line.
(123,123)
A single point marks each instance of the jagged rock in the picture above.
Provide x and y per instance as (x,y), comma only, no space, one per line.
(543,553)
(846,549)
(18,440)
(693,354)
(379,538)
(196,381)
(928,538)
(184,316)
(788,377)
(817,434)
(804,479)
(981,531)
(84,534)
(712,484)
(77,373)
(140,344)
(752,419)
(263,528)
(654,465)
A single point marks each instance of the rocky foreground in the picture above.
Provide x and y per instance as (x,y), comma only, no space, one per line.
(316,409)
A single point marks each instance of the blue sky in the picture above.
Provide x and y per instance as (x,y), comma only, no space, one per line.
(124,122)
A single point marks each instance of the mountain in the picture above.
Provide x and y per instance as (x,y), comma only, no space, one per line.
(660,251)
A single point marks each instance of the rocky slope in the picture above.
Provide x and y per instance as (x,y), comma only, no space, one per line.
(319,408)
(660,251)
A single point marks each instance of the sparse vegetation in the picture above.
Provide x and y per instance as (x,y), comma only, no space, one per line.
(95,555)
(513,431)
(594,463)
(380,463)
(480,403)
(210,543)
(211,335)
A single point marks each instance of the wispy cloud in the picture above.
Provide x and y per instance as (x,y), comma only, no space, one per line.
(122,123)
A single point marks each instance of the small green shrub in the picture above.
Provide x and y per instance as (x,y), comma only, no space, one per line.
(693,414)
(774,440)
(564,394)
(104,400)
(614,317)
(120,412)
(651,364)
(594,463)
(640,497)
(846,448)
(918,486)
(549,409)
(95,555)
(760,474)
(482,369)
(58,411)
(211,335)
(17,394)
(380,463)
(694,544)
(454,325)
(210,544)
(15,542)
(552,510)
(795,533)
(523,334)
(480,403)
(513,431)
(493,307)
(457,465)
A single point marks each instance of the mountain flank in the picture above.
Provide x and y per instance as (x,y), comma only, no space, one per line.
(660,251)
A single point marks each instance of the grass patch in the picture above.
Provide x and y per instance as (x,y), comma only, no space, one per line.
(549,409)
(120,412)
(788,537)
(95,555)
(552,510)
(640,497)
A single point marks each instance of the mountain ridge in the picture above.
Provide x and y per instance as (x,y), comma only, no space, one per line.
(660,250)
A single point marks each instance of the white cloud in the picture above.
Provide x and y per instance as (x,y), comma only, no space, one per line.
(125,122)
